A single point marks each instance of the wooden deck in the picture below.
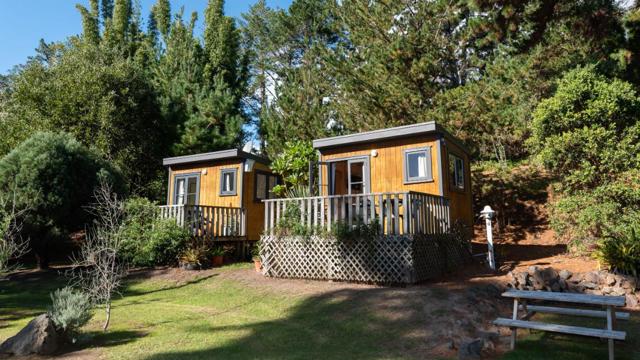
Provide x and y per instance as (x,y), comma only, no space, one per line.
(215,223)
(397,213)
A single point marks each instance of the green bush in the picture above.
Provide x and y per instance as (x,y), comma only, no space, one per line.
(54,176)
(70,310)
(149,240)
(621,252)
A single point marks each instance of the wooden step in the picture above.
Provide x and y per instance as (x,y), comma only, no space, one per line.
(577,312)
(564,329)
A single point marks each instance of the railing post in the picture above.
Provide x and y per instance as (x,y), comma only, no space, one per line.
(406,203)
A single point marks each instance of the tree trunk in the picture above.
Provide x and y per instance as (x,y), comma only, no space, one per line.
(108,311)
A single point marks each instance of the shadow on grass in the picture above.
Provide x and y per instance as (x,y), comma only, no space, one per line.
(344,324)
(129,291)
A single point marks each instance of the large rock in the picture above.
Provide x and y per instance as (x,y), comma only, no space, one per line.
(471,349)
(565,274)
(38,337)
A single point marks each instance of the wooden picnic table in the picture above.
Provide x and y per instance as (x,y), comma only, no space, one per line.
(520,298)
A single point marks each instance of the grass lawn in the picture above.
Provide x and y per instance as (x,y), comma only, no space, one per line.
(217,317)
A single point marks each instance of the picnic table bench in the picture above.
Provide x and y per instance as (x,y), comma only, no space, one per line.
(520,298)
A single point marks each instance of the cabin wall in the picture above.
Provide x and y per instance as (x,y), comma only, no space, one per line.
(254,209)
(461,201)
(387,170)
(386,173)
(209,182)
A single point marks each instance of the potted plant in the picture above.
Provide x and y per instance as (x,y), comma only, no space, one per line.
(255,255)
(190,259)
(218,256)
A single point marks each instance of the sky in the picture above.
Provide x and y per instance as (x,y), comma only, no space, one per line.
(24,22)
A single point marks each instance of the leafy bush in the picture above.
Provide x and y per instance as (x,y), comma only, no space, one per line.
(588,136)
(70,310)
(292,164)
(357,231)
(621,252)
(54,176)
(149,240)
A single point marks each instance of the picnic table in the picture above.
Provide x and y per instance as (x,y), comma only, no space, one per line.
(609,303)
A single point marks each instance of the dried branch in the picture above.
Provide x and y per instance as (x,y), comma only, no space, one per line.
(12,244)
(96,268)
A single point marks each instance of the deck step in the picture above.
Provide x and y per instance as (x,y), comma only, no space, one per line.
(564,329)
(577,312)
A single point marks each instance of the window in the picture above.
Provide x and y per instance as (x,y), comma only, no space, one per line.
(228,181)
(417,165)
(186,189)
(265,183)
(456,171)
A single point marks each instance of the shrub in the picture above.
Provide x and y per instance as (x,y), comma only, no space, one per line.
(292,164)
(621,252)
(149,240)
(70,310)
(55,176)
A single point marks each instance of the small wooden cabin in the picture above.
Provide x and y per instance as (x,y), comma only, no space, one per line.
(219,194)
(422,158)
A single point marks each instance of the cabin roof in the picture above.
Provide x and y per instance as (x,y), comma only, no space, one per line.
(215,155)
(412,130)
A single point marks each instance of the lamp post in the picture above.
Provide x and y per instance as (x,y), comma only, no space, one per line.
(488,214)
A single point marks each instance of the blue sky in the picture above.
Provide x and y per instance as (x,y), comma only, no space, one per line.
(24,22)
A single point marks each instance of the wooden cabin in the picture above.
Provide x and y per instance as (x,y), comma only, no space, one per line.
(422,158)
(412,179)
(219,194)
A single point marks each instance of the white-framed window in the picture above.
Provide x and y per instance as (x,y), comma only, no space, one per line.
(228,179)
(264,186)
(456,171)
(417,165)
(186,189)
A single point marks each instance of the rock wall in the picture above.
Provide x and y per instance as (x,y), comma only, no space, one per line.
(593,282)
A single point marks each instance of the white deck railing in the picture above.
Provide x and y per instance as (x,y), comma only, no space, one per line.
(397,213)
(210,222)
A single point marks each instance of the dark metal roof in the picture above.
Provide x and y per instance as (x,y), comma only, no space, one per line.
(430,127)
(216,155)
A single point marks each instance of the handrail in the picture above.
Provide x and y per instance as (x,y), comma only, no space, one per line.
(407,212)
(209,222)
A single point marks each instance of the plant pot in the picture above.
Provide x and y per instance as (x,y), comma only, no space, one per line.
(218,260)
(188,266)
(258,264)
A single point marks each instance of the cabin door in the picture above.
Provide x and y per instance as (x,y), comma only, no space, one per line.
(186,190)
(349,177)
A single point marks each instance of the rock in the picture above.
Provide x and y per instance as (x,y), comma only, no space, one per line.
(565,274)
(589,285)
(532,269)
(491,336)
(591,277)
(618,291)
(471,349)
(38,337)
(556,287)
(632,301)
(609,280)
(522,278)
(563,284)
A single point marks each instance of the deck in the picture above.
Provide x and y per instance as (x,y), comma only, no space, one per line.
(215,223)
(397,213)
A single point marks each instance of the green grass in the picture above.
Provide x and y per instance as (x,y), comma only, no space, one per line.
(218,318)
(214,318)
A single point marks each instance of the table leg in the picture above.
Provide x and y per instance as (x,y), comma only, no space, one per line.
(513,330)
(610,319)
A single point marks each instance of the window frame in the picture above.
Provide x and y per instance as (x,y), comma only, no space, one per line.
(186,176)
(233,192)
(452,180)
(255,184)
(414,180)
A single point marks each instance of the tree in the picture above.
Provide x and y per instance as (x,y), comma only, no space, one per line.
(54,176)
(97,269)
(588,135)
(292,164)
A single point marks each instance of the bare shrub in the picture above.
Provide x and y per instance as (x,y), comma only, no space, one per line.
(96,269)
(12,244)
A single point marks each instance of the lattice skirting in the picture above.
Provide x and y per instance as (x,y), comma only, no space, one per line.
(387,259)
